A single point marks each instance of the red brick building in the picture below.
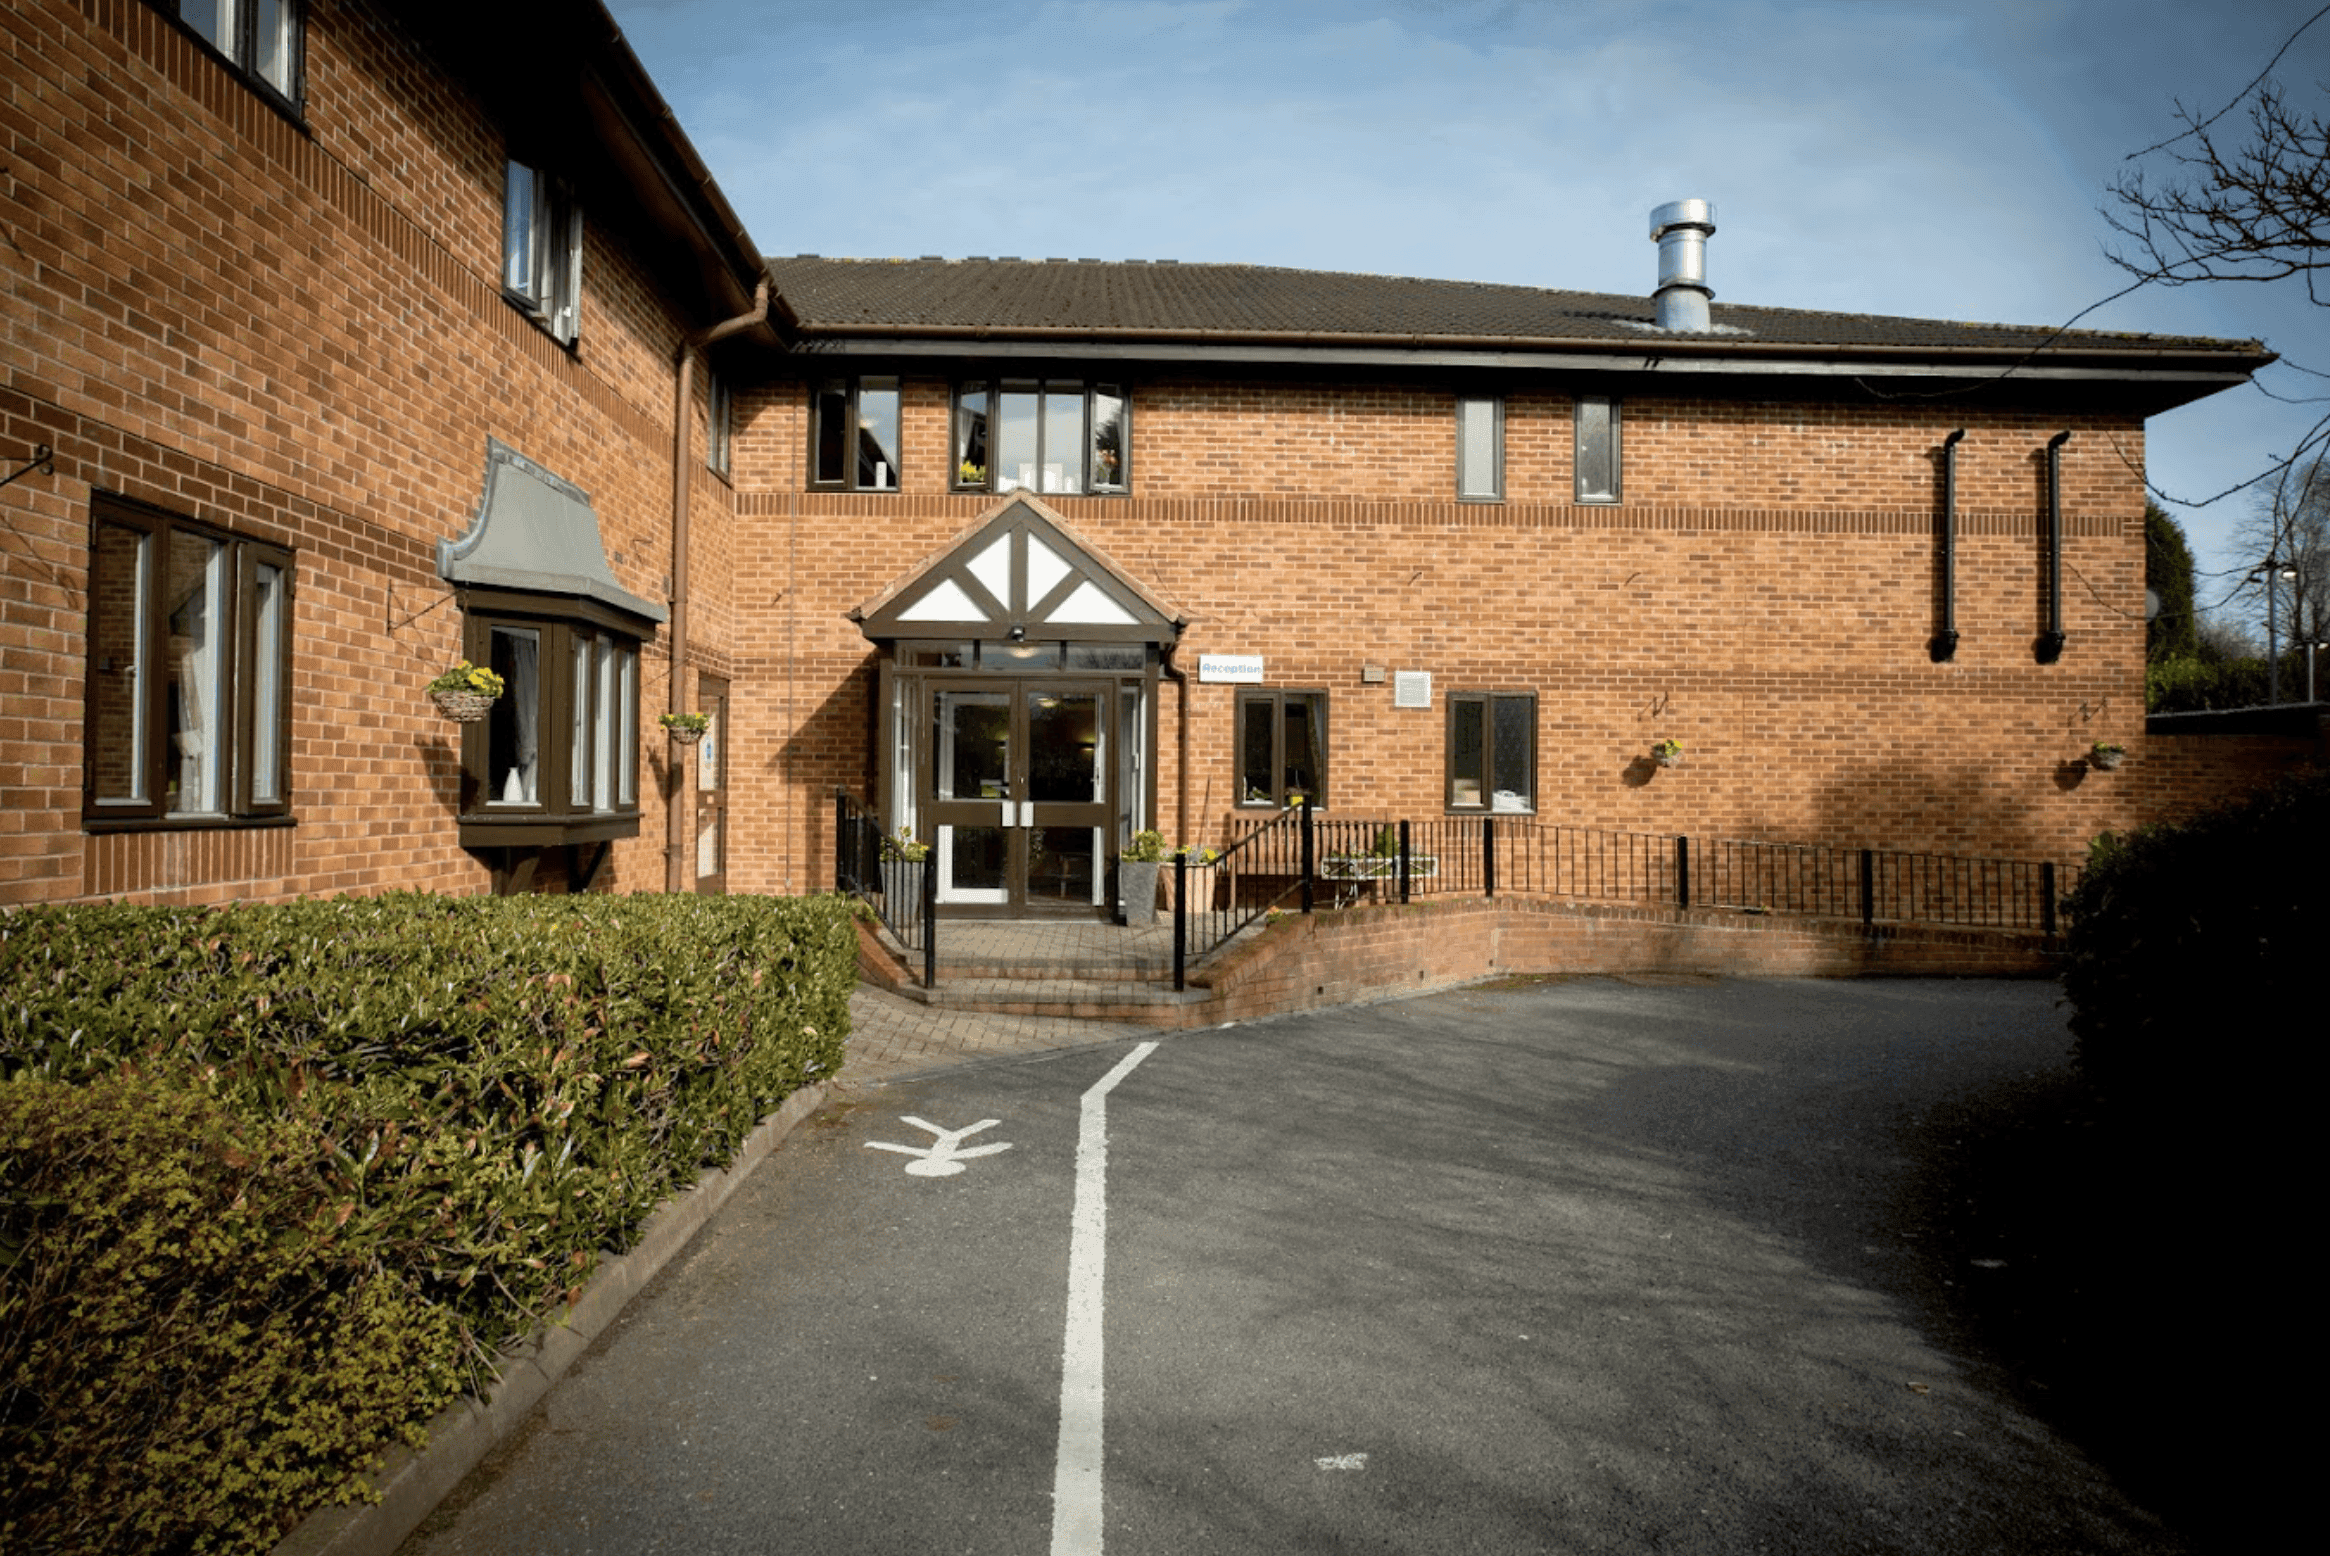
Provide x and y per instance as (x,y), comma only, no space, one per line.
(357,352)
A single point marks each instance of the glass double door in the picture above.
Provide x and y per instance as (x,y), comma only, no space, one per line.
(1020,794)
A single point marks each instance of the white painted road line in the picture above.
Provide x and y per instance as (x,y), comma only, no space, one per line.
(1076,1480)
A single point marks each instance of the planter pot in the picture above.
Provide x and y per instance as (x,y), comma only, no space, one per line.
(685,737)
(902,888)
(2107,761)
(1136,889)
(1667,758)
(463,707)
(1201,886)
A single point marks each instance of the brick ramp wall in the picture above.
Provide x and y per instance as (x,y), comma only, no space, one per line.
(1358,954)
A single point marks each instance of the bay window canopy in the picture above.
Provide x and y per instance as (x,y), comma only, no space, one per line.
(1019,575)
(537,534)
(557,759)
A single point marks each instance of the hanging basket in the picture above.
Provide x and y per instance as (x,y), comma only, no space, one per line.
(2106,761)
(683,736)
(463,707)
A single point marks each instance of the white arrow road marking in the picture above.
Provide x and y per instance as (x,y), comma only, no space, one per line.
(943,1157)
(1076,1481)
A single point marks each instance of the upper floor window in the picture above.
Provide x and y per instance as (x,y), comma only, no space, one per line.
(542,249)
(1597,459)
(188,707)
(1480,449)
(1042,435)
(1492,751)
(260,38)
(719,419)
(853,435)
(1282,748)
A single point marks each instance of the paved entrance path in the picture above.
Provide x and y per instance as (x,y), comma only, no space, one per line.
(1573,1267)
(892,1036)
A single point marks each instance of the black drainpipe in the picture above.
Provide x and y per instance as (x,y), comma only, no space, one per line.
(1945,644)
(2050,646)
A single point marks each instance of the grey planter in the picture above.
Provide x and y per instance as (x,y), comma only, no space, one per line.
(1136,889)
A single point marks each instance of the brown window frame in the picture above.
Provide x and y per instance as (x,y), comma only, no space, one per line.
(554,815)
(1316,791)
(961,443)
(851,431)
(237,689)
(1488,703)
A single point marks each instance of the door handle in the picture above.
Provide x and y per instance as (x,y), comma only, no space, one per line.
(1027,813)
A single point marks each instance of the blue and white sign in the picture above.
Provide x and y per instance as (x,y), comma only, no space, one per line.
(1230,669)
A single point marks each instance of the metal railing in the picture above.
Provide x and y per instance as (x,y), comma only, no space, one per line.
(902,892)
(1273,863)
(1343,861)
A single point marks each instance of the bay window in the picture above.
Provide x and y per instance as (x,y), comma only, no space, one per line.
(187,713)
(557,760)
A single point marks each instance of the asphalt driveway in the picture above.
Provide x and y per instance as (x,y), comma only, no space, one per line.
(1582,1266)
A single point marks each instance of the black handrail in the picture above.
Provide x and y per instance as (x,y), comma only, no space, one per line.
(1255,874)
(902,892)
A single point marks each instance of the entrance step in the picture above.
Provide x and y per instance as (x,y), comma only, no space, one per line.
(1088,999)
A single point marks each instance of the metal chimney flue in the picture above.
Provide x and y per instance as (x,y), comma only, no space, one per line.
(1681,230)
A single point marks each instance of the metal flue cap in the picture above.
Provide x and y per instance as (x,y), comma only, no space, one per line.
(1682,213)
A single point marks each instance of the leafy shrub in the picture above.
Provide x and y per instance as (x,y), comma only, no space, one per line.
(2179,932)
(190,1356)
(490,1093)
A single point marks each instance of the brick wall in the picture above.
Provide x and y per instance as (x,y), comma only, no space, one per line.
(298,337)
(1766,594)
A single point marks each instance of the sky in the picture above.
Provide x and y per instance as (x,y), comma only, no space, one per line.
(1947,159)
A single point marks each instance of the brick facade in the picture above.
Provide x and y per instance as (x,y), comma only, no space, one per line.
(292,330)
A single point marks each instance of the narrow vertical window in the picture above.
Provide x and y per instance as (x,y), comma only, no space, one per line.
(1108,439)
(627,733)
(119,584)
(1480,449)
(971,437)
(606,713)
(193,674)
(877,443)
(266,720)
(513,729)
(1597,459)
(718,419)
(578,762)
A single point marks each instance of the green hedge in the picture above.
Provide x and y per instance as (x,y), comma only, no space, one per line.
(484,1094)
(2194,949)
